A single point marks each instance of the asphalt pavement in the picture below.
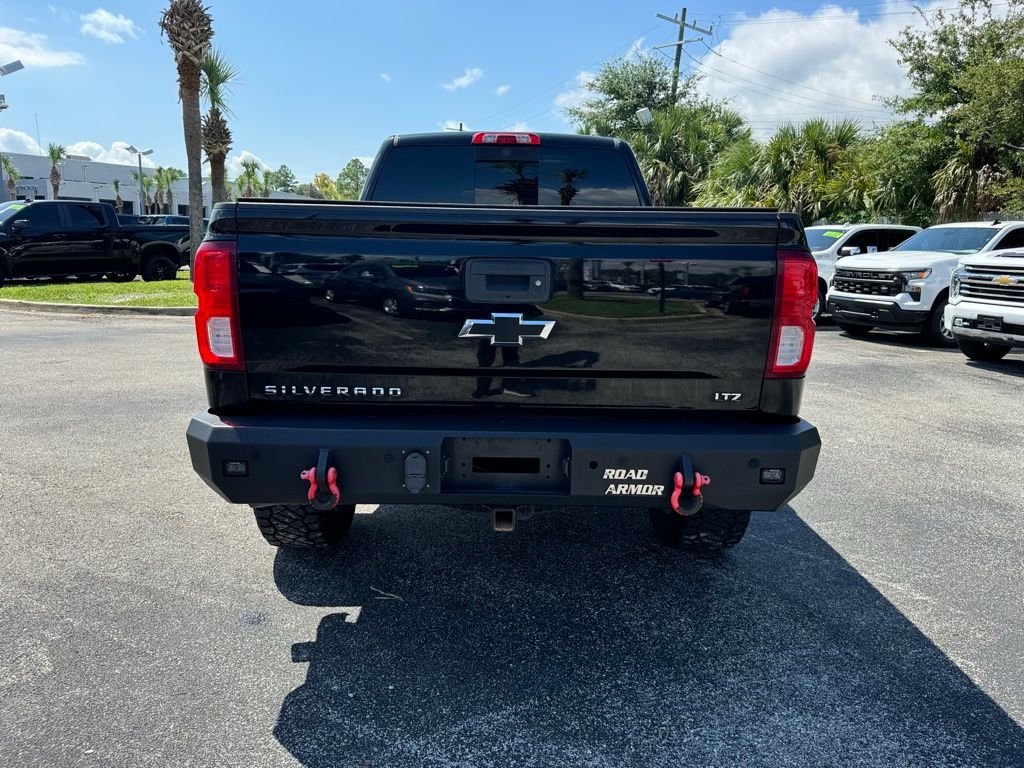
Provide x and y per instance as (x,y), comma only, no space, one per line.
(879,621)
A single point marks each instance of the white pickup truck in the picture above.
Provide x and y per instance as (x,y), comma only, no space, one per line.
(907,288)
(831,242)
(986,304)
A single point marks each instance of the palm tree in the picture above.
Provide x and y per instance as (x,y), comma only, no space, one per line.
(217,75)
(268,182)
(171,177)
(249,180)
(11,172)
(189,29)
(118,202)
(161,182)
(146,184)
(56,153)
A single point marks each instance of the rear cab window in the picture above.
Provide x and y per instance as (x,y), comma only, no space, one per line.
(506,175)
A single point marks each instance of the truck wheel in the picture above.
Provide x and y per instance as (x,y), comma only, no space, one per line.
(159,268)
(391,306)
(935,329)
(983,351)
(819,306)
(709,530)
(300,526)
(855,330)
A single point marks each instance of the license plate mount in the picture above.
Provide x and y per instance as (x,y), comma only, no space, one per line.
(989,323)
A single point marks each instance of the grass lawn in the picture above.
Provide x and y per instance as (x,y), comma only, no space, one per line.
(162,293)
(622,307)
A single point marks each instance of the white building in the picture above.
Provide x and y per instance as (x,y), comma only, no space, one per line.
(85,179)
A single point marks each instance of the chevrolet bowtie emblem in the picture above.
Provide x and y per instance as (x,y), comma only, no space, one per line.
(507,330)
(1004,280)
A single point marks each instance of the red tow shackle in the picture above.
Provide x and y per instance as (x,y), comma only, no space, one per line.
(693,500)
(318,477)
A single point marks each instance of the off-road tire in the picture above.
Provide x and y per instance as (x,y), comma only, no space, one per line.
(159,267)
(983,351)
(853,329)
(300,526)
(709,530)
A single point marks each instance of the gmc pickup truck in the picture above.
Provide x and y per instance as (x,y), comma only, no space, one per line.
(64,238)
(437,342)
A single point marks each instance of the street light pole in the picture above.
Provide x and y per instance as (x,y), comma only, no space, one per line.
(140,153)
(7,69)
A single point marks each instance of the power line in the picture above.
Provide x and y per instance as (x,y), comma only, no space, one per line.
(785,80)
(776,93)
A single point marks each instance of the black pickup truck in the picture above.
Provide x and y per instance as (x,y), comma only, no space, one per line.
(439,342)
(63,238)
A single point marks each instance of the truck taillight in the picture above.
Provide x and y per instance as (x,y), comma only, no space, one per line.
(796,291)
(486,137)
(217,317)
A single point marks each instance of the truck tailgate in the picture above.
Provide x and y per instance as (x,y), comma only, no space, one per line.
(435,304)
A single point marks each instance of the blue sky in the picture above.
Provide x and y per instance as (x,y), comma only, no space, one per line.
(322,81)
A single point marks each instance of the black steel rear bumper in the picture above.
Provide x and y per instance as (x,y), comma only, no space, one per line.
(597,461)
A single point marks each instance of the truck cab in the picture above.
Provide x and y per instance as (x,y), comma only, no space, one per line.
(831,242)
(986,304)
(907,288)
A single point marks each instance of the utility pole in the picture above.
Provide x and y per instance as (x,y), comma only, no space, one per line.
(680,21)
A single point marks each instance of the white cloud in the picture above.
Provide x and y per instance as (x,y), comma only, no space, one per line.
(452,125)
(233,164)
(17,141)
(501,90)
(837,64)
(366,160)
(108,27)
(385,77)
(635,48)
(34,50)
(577,88)
(518,127)
(117,153)
(466,79)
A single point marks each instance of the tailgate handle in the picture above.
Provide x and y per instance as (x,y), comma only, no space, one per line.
(508,281)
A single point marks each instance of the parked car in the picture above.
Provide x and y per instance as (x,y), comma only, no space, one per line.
(986,304)
(831,242)
(907,288)
(312,411)
(397,288)
(62,238)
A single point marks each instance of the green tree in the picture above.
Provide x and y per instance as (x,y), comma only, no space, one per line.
(56,153)
(283,179)
(350,181)
(188,27)
(623,86)
(678,149)
(118,202)
(966,67)
(215,85)
(171,177)
(308,190)
(250,179)
(12,176)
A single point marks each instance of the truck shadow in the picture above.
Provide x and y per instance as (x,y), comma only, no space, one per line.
(578,642)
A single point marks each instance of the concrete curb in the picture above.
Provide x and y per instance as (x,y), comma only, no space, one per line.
(94,309)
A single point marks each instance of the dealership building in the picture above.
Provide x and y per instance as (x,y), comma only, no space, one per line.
(85,179)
